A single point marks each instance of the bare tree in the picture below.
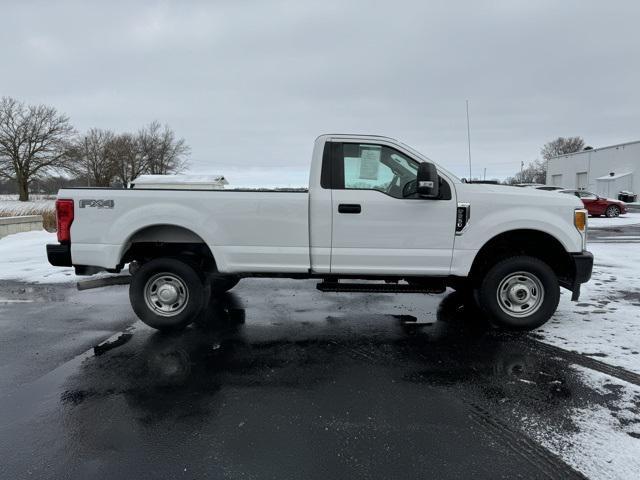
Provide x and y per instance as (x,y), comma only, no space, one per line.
(94,160)
(561,146)
(127,156)
(162,151)
(34,139)
(535,172)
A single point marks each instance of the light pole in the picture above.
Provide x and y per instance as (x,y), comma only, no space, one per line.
(469,140)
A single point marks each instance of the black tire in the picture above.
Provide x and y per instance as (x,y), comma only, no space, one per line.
(182,280)
(612,211)
(222,283)
(500,294)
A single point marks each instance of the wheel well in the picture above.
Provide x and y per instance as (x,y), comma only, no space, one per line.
(534,243)
(168,241)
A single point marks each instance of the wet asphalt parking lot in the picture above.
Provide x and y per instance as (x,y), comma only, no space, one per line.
(284,382)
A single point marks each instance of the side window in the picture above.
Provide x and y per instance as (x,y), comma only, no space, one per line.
(376,167)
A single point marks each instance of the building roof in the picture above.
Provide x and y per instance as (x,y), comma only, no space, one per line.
(614,176)
(596,149)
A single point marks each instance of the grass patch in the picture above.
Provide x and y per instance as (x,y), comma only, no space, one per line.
(44,207)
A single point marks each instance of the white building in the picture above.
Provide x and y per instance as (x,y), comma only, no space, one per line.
(605,171)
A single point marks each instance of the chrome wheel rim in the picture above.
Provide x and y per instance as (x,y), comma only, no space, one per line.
(612,212)
(520,294)
(166,294)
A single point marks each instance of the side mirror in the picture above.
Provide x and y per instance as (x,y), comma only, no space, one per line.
(427,181)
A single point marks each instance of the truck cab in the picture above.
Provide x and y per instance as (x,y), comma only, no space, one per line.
(366,216)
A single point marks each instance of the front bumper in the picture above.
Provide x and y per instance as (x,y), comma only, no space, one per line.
(59,255)
(583,265)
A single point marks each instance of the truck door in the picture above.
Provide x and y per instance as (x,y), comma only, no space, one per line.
(380,225)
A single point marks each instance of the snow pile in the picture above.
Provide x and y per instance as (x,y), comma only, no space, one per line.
(23,257)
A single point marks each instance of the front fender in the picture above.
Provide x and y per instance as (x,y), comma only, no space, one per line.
(484,226)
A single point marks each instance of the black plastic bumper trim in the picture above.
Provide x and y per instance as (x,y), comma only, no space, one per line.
(59,255)
(583,264)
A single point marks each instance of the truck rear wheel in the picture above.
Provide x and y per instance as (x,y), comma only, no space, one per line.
(167,294)
(519,293)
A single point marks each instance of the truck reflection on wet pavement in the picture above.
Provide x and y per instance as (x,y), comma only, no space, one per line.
(353,395)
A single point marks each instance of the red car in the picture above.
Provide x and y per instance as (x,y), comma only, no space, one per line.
(596,205)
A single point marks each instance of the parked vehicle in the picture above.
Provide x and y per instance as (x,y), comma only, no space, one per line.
(597,205)
(376,211)
(530,185)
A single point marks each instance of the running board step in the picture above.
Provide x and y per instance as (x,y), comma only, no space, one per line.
(379,287)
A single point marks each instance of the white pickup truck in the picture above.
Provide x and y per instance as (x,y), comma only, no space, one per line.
(377,217)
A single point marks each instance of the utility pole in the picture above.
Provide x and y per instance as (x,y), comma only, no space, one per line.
(521,171)
(484,175)
(469,139)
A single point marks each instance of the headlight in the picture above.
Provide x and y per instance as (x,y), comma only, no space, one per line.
(580,219)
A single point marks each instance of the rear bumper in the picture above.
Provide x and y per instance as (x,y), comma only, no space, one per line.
(59,255)
(583,265)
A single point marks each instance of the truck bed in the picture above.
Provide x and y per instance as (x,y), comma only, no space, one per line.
(260,230)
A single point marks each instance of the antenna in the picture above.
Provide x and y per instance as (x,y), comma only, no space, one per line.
(469,139)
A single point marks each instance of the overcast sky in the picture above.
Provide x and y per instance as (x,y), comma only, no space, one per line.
(250,84)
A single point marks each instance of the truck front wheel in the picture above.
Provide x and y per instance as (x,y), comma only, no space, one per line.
(167,294)
(519,293)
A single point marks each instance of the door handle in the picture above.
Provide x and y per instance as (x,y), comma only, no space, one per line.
(349,208)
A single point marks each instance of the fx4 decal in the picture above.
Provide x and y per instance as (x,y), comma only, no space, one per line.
(96,203)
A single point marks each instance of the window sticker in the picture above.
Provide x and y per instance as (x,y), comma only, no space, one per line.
(369,163)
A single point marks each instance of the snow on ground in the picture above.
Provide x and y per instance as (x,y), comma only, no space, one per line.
(605,442)
(605,323)
(631,218)
(23,257)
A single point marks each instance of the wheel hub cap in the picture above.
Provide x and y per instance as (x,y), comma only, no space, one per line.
(520,294)
(166,294)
